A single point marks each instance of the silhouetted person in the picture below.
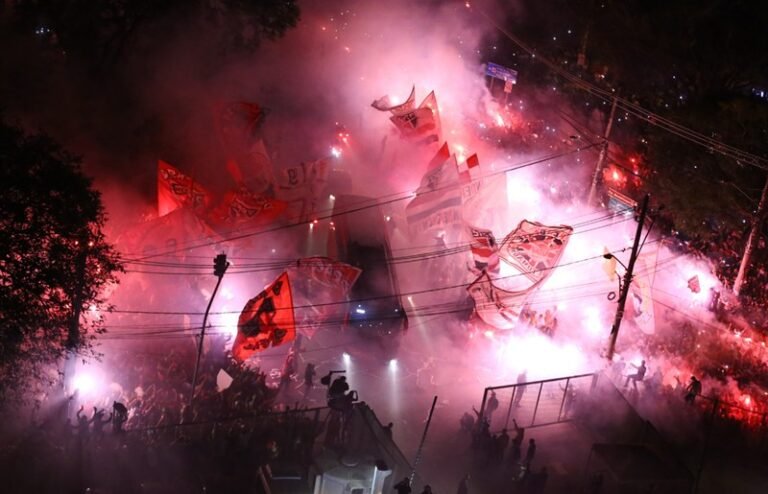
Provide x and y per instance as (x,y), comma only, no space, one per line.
(119,417)
(309,377)
(502,441)
(491,406)
(404,486)
(82,424)
(692,390)
(531,453)
(637,376)
(289,369)
(519,434)
(338,387)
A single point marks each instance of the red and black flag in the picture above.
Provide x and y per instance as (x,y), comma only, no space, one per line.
(243,207)
(267,320)
(175,190)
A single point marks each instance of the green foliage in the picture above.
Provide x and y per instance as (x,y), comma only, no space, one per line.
(55,263)
(99,31)
(695,62)
(703,189)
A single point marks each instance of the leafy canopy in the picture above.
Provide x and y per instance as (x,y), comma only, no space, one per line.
(55,263)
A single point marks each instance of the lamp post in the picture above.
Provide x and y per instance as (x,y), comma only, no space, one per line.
(220,266)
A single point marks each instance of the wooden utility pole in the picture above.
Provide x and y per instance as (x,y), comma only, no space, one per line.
(627,279)
(603,152)
(751,241)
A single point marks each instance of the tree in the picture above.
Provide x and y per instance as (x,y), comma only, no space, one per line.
(695,62)
(98,31)
(54,261)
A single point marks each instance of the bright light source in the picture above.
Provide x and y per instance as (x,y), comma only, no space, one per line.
(332,197)
(393,364)
(346,358)
(489,334)
(83,383)
(360,310)
(336,152)
(388,218)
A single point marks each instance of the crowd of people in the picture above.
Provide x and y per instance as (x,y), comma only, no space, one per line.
(145,435)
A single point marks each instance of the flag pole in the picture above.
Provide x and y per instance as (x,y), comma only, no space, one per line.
(220,266)
(423,438)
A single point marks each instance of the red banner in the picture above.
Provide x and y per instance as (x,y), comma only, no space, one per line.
(320,285)
(238,123)
(241,207)
(266,321)
(176,190)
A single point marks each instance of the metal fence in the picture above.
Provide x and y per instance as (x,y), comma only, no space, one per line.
(536,403)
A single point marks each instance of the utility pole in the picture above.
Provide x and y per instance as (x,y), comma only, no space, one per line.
(603,152)
(627,279)
(751,240)
(220,266)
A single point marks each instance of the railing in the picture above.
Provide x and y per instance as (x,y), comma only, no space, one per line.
(536,403)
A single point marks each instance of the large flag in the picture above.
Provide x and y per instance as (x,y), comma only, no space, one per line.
(431,102)
(176,190)
(467,170)
(385,104)
(266,321)
(168,233)
(421,124)
(252,168)
(437,204)
(641,309)
(300,186)
(248,162)
(495,306)
(440,157)
(470,184)
(241,206)
(535,249)
(320,286)
(484,249)
(238,123)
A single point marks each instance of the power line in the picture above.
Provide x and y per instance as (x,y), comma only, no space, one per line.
(637,110)
(393,198)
